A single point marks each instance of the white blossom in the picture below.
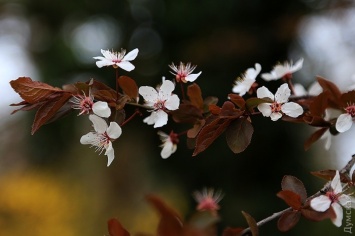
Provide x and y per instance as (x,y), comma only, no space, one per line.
(86,105)
(244,83)
(280,70)
(334,198)
(169,144)
(102,136)
(279,106)
(184,72)
(160,100)
(313,90)
(345,120)
(117,59)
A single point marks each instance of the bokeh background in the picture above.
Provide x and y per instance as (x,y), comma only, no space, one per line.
(52,185)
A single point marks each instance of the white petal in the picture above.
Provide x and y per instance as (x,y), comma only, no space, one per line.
(172,103)
(100,125)
(131,55)
(299,90)
(192,77)
(161,118)
(166,89)
(269,76)
(126,65)
(282,94)
(101,109)
(110,153)
(337,221)
(292,109)
(344,123)
(114,130)
(328,139)
(275,116)
(88,138)
(265,109)
(320,203)
(263,92)
(252,73)
(297,66)
(242,87)
(104,62)
(148,93)
(315,89)
(281,70)
(346,201)
(336,184)
(168,149)
(150,120)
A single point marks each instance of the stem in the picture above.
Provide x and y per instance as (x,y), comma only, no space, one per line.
(345,169)
(182,91)
(290,85)
(116,85)
(136,112)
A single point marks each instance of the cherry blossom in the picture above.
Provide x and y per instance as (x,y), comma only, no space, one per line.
(279,106)
(334,198)
(102,136)
(345,120)
(208,200)
(160,100)
(117,59)
(244,83)
(283,71)
(86,105)
(313,90)
(184,72)
(169,143)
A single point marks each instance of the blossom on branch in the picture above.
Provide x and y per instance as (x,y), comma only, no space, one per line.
(160,100)
(244,83)
(169,144)
(117,59)
(334,198)
(208,200)
(86,105)
(313,90)
(283,71)
(279,106)
(184,72)
(102,136)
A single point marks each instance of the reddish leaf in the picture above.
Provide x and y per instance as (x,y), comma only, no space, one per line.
(314,137)
(129,87)
(348,98)
(187,113)
(214,109)
(319,104)
(170,223)
(33,91)
(239,134)
(291,198)
(195,95)
(193,132)
(333,89)
(237,100)
(26,106)
(252,224)
(232,231)
(295,185)
(48,110)
(209,101)
(77,88)
(115,228)
(288,220)
(329,175)
(313,215)
(316,121)
(353,177)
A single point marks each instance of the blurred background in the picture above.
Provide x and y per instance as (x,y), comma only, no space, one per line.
(52,185)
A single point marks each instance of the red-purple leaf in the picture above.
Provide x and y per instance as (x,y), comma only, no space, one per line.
(291,198)
(128,86)
(329,175)
(295,185)
(195,95)
(288,220)
(252,224)
(187,113)
(319,104)
(348,98)
(313,215)
(239,134)
(314,137)
(237,100)
(115,228)
(170,222)
(333,89)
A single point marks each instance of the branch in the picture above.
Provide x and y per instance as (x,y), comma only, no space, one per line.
(345,169)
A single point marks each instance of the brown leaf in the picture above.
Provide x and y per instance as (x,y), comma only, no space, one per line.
(239,134)
(232,231)
(295,185)
(288,220)
(314,137)
(115,228)
(348,98)
(333,89)
(170,222)
(187,113)
(237,100)
(329,175)
(319,104)
(33,91)
(128,86)
(195,95)
(48,110)
(252,224)
(193,132)
(291,198)
(313,215)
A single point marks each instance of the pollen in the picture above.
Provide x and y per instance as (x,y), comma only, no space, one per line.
(275,107)
(350,109)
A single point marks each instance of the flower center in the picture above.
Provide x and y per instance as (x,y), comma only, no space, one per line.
(83,103)
(332,196)
(159,105)
(275,107)
(350,110)
(102,142)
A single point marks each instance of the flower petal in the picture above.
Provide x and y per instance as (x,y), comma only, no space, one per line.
(192,77)
(88,138)
(336,184)
(110,153)
(168,149)
(101,109)
(166,89)
(292,109)
(265,109)
(99,124)
(337,221)
(315,89)
(299,90)
(346,201)
(282,94)
(131,55)
(126,65)
(269,76)
(114,130)
(161,118)
(320,203)
(104,62)
(172,103)
(263,92)
(297,66)
(344,123)
(148,93)
(275,116)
